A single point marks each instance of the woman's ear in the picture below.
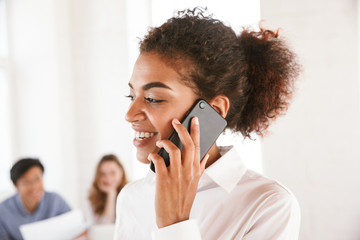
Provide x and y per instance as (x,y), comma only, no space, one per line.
(221,104)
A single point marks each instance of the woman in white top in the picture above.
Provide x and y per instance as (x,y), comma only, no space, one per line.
(109,179)
(248,79)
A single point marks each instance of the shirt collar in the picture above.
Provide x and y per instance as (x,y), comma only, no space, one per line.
(227,170)
(150,177)
(21,207)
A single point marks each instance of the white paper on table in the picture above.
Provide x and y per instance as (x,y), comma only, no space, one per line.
(102,231)
(63,227)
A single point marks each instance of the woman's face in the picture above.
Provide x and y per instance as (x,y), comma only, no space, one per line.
(110,174)
(157,96)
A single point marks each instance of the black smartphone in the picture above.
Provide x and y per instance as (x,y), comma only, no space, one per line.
(212,124)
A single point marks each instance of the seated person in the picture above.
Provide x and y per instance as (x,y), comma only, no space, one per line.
(109,179)
(31,203)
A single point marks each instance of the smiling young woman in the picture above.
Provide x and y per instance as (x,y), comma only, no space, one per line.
(110,177)
(248,79)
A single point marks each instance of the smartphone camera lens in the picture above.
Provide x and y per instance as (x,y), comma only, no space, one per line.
(202,105)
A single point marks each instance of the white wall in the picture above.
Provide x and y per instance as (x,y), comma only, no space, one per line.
(69,74)
(314,150)
(39,125)
(104,38)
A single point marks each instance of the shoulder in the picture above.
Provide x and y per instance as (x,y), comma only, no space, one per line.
(53,196)
(271,208)
(133,187)
(8,209)
(8,203)
(265,184)
(57,201)
(138,189)
(269,192)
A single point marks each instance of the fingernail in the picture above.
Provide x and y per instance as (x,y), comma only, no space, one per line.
(176,121)
(196,120)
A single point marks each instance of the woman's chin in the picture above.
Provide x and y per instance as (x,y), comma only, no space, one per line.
(144,161)
(142,158)
(143,153)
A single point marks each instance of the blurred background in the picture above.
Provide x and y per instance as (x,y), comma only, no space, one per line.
(64,69)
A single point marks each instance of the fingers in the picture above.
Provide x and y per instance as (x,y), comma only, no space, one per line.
(176,186)
(189,158)
(195,136)
(159,163)
(191,143)
(174,154)
(105,188)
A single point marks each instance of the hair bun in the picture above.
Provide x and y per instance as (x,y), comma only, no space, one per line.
(272,69)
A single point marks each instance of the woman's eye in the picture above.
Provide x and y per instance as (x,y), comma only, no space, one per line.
(152,100)
(132,98)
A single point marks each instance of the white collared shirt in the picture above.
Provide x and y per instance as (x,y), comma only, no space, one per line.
(232,202)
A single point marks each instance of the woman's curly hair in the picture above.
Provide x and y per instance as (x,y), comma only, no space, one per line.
(255,69)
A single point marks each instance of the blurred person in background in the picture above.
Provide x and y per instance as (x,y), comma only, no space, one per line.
(110,178)
(31,203)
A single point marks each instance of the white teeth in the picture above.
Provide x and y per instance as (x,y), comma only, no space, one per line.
(143,135)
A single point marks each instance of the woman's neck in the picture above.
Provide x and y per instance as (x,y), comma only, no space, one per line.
(214,155)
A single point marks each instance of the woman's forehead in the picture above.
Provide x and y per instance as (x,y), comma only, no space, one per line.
(150,71)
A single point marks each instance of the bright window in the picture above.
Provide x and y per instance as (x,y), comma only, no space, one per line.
(3,30)
(5,127)
(5,139)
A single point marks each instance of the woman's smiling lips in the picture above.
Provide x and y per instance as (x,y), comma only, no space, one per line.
(142,137)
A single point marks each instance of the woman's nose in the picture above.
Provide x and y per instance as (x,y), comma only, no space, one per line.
(135,112)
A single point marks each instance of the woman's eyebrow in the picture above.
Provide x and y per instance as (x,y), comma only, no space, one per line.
(153,85)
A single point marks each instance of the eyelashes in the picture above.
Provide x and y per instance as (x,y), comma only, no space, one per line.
(153,100)
(132,98)
(147,99)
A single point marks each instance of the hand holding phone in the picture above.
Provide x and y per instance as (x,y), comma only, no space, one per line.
(212,124)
